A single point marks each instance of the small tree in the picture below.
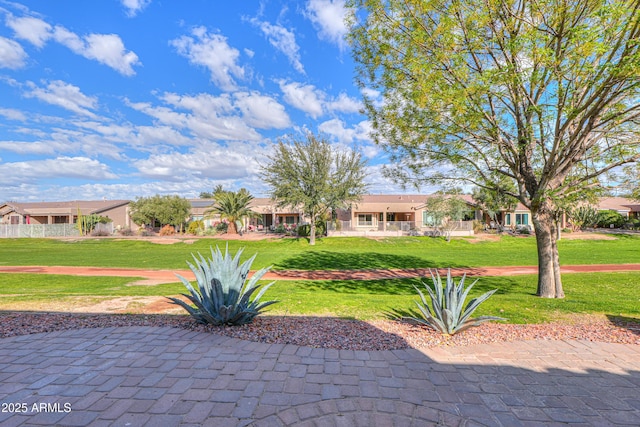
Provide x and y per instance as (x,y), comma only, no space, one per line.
(445,210)
(314,175)
(232,206)
(172,210)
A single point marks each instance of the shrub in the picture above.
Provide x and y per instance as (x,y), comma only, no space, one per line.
(167,230)
(223,294)
(145,231)
(280,229)
(446,314)
(305,229)
(221,227)
(100,232)
(610,217)
(126,231)
(196,227)
(583,217)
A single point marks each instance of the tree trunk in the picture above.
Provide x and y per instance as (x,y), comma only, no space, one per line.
(312,231)
(231,228)
(549,280)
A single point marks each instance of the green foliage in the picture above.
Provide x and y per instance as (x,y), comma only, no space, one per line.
(313,175)
(496,199)
(445,210)
(172,210)
(224,294)
(477,91)
(304,230)
(86,223)
(447,313)
(232,206)
(582,217)
(221,227)
(610,217)
(196,227)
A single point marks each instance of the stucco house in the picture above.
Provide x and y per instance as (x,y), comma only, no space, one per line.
(65,212)
(384,213)
(628,208)
(268,215)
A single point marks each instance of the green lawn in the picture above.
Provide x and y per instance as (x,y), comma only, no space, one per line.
(614,294)
(329,253)
(596,293)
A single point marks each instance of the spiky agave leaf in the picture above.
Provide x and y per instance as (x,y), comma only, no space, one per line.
(446,314)
(223,295)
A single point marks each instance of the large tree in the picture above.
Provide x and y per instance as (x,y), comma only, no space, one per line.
(173,210)
(314,175)
(543,92)
(232,206)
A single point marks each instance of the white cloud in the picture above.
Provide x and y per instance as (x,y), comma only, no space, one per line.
(107,49)
(338,129)
(34,30)
(132,7)
(262,111)
(208,162)
(64,95)
(60,167)
(12,55)
(314,101)
(12,114)
(283,40)
(214,53)
(22,147)
(328,16)
(303,97)
(344,104)
(206,116)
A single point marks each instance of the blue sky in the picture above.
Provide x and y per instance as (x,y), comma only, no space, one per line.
(130,98)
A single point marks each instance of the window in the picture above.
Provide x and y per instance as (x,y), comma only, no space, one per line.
(522,219)
(365,219)
(427,219)
(507,219)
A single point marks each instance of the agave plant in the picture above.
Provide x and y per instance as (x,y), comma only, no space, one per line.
(224,294)
(446,313)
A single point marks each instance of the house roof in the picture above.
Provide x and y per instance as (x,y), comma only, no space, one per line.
(261,205)
(86,207)
(620,204)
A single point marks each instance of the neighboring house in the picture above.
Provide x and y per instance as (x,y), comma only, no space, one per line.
(268,215)
(65,212)
(385,213)
(521,216)
(628,208)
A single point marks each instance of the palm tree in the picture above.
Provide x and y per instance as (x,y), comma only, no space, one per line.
(232,206)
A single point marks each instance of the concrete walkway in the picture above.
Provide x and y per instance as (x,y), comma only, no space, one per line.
(147,376)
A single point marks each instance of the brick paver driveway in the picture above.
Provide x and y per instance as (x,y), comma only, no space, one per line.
(136,376)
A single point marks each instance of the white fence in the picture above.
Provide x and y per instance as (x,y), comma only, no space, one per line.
(48,230)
